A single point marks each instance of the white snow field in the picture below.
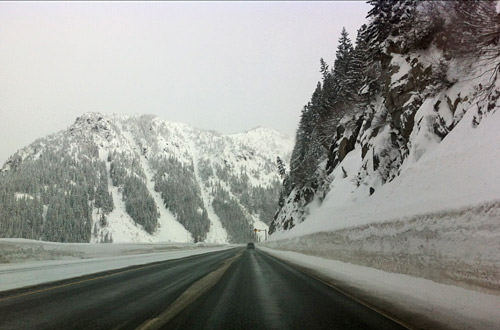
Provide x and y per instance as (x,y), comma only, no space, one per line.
(422,303)
(28,262)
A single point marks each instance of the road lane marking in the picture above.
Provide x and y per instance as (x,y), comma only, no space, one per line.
(72,283)
(50,288)
(189,296)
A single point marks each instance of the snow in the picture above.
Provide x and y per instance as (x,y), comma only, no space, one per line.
(120,225)
(497,7)
(454,247)
(428,240)
(460,171)
(344,182)
(269,141)
(109,256)
(423,139)
(446,305)
(19,195)
(170,230)
(216,232)
(144,138)
(403,68)
(253,152)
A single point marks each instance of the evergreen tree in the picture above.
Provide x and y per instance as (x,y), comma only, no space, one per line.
(281,167)
(324,69)
(361,64)
(342,70)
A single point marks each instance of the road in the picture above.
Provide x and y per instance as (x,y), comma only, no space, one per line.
(230,289)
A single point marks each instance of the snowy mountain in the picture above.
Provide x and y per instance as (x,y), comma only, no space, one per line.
(117,178)
(404,175)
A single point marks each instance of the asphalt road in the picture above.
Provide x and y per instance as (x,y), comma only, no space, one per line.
(261,292)
(231,289)
(121,299)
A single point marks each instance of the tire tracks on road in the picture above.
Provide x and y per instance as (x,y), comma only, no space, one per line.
(189,296)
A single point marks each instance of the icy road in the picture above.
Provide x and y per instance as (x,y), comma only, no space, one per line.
(230,289)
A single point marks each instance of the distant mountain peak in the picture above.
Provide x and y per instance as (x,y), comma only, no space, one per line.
(141,178)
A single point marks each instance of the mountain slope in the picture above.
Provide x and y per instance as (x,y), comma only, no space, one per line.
(117,178)
(418,88)
(404,176)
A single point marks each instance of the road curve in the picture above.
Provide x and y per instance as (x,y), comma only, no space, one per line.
(230,289)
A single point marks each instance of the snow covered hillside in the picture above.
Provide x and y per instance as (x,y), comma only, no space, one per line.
(111,178)
(406,177)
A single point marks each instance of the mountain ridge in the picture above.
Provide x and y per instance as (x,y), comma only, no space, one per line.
(228,181)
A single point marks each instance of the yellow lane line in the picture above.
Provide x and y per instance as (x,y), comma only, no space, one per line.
(190,295)
(73,283)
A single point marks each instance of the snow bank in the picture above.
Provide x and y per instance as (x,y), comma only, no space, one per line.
(18,250)
(417,302)
(21,274)
(459,247)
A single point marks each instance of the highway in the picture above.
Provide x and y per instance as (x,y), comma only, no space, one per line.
(230,289)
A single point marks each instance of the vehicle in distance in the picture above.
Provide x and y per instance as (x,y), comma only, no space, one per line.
(250,246)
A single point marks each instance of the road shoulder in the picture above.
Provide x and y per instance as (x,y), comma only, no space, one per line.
(417,303)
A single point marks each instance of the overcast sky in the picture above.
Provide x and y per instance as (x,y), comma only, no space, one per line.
(226,66)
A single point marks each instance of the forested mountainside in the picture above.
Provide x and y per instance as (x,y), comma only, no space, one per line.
(418,71)
(115,178)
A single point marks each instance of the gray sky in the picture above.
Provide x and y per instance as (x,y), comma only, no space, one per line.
(227,66)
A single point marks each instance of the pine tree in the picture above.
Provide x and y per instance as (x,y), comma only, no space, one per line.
(363,72)
(281,167)
(324,69)
(389,18)
(342,69)
(380,15)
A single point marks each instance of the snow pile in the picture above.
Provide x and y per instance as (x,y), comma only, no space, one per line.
(20,250)
(456,247)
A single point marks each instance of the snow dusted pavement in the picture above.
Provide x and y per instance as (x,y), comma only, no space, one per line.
(17,275)
(417,302)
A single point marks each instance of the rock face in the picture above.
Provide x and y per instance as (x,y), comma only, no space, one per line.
(422,91)
(114,178)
